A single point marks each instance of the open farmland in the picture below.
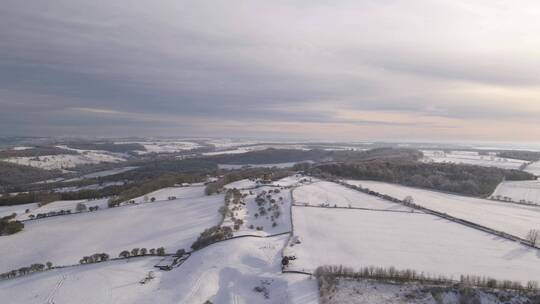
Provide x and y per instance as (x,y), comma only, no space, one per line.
(521,191)
(18,209)
(64,240)
(472,158)
(332,194)
(65,161)
(407,241)
(534,168)
(183,193)
(510,218)
(105,283)
(228,272)
(223,273)
(63,205)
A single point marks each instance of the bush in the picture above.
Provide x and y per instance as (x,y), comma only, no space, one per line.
(212,235)
(8,226)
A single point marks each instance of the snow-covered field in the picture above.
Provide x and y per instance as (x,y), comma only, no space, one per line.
(332,194)
(372,291)
(18,209)
(103,173)
(232,151)
(63,161)
(88,187)
(511,218)
(63,205)
(226,272)
(278,165)
(294,180)
(242,184)
(416,241)
(249,211)
(183,193)
(164,146)
(519,191)
(533,168)
(472,158)
(103,283)
(65,239)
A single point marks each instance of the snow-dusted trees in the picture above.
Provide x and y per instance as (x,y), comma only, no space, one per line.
(124,254)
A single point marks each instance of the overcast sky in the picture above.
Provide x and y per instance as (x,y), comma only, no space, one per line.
(380,69)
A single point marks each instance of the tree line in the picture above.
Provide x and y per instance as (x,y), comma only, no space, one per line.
(328,276)
(455,178)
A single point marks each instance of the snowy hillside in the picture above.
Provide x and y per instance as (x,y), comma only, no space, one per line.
(227,272)
(63,240)
(518,191)
(510,218)
(534,168)
(472,158)
(332,194)
(65,161)
(407,241)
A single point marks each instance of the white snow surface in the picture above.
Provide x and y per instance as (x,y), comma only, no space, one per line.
(165,146)
(519,191)
(277,165)
(372,291)
(421,242)
(102,173)
(88,187)
(64,205)
(18,209)
(294,180)
(242,184)
(183,193)
(224,273)
(61,161)
(511,218)
(63,240)
(246,212)
(472,158)
(332,194)
(534,168)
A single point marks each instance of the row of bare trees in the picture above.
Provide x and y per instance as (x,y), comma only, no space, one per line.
(26,270)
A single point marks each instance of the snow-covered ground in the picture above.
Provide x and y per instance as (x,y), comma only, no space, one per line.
(372,291)
(165,194)
(472,158)
(534,168)
(65,239)
(63,205)
(232,151)
(518,191)
(242,184)
(164,146)
(276,206)
(88,187)
(223,273)
(278,165)
(422,242)
(511,218)
(332,194)
(62,161)
(103,173)
(18,209)
(294,180)
(103,283)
